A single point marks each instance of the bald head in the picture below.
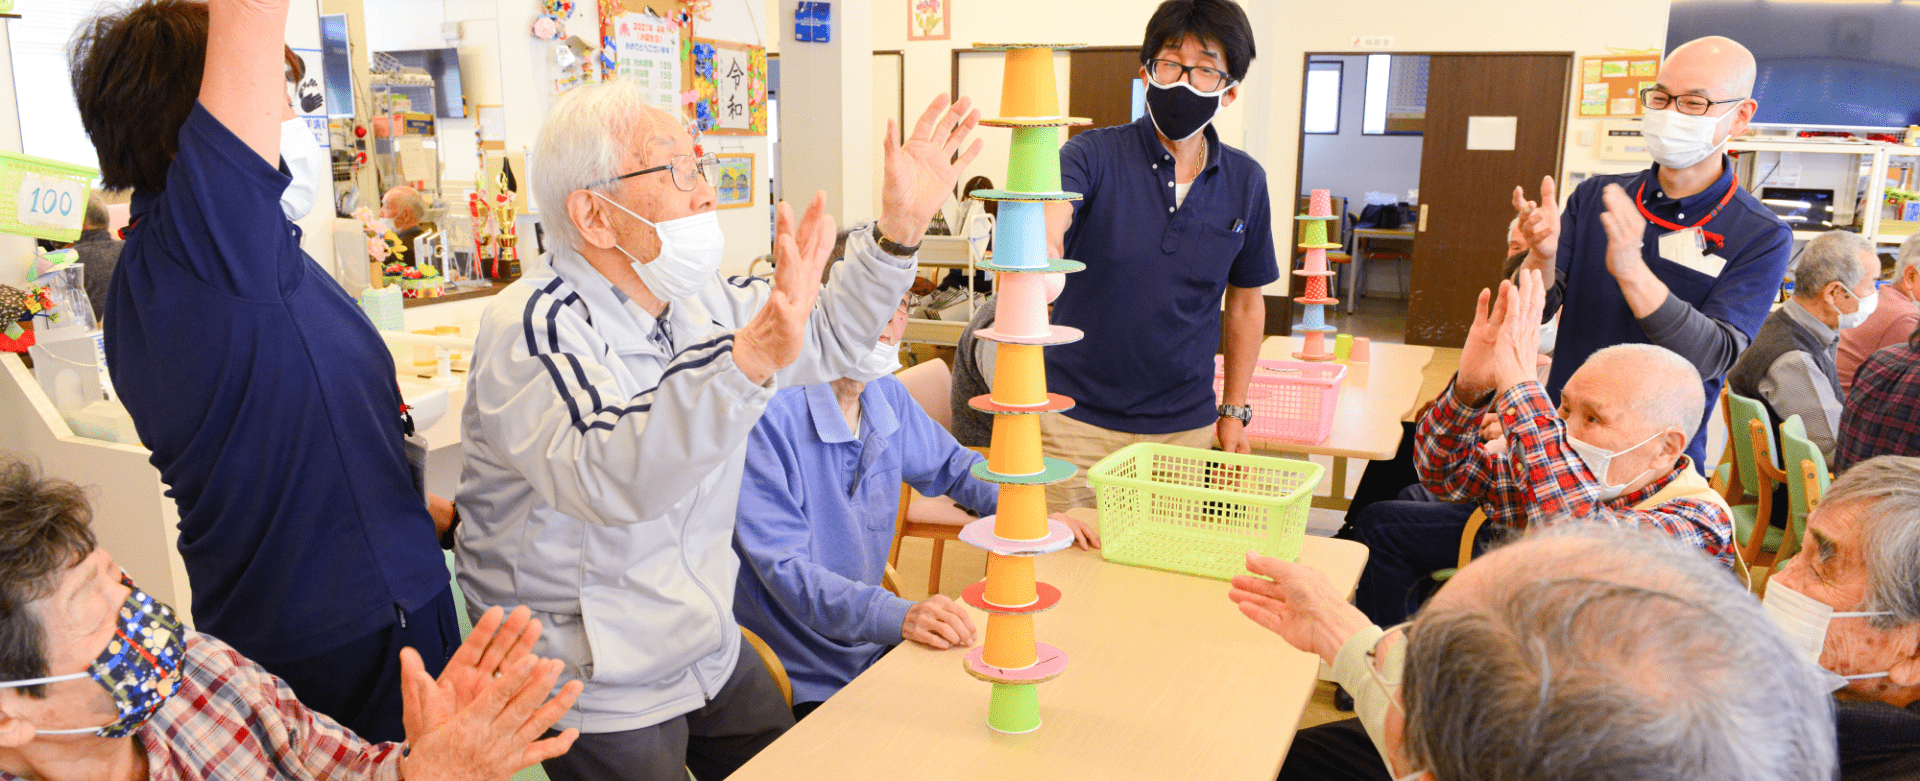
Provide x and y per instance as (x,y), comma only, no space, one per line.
(1715,66)
(404,205)
(1654,382)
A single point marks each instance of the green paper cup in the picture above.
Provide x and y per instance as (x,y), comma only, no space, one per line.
(1342,347)
(1033,164)
(1313,232)
(1014,709)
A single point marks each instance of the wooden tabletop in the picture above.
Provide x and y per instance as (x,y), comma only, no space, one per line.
(1167,680)
(1384,233)
(1375,396)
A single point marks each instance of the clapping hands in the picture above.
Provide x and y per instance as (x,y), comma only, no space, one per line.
(1503,345)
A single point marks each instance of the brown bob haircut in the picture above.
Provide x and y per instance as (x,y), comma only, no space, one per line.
(136,76)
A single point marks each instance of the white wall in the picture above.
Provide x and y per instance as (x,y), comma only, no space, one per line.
(1351,163)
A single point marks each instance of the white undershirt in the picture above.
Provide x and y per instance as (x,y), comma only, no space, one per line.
(1180,192)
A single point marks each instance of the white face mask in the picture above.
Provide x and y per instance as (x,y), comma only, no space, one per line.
(1854,318)
(1804,621)
(1548,333)
(309,164)
(1679,140)
(690,250)
(884,360)
(384,225)
(1599,460)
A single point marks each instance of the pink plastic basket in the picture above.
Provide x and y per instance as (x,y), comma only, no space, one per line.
(1291,400)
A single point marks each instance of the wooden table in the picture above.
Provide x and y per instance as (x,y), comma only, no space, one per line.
(1362,237)
(1366,423)
(1168,680)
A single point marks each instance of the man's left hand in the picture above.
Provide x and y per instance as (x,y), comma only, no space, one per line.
(1232,435)
(920,174)
(1299,604)
(1626,232)
(1516,349)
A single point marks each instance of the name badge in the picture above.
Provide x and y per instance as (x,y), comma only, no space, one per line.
(1687,248)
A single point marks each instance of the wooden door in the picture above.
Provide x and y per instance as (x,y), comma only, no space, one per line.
(1100,85)
(1466,194)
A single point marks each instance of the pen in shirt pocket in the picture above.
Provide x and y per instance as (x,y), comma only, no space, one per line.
(1239,226)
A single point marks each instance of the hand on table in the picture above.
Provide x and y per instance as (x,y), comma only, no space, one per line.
(495,733)
(1083,535)
(775,336)
(1232,435)
(1299,604)
(938,622)
(919,175)
(1539,221)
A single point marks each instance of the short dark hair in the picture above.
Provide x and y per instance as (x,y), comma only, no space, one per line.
(45,529)
(96,212)
(1220,21)
(136,75)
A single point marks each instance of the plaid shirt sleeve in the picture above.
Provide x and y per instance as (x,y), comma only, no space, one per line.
(232,719)
(1882,415)
(1553,481)
(1448,455)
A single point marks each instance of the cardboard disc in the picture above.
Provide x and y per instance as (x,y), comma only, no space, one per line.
(1058,334)
(1054,471)
(1299,272)
(1000,47)
(1325,329)
(1300,216)
(1035,121)
(1315,358)
(1054,403)
(980,534)
(976,595)
(1054,266)
(1009,195)
(1051,663)
(1317,301)
(1318,246)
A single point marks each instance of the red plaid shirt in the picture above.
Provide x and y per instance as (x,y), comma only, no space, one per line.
(1540,477)
(232,720)
(1882,415)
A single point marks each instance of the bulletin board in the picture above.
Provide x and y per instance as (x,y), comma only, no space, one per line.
(1610,84)
(728,82)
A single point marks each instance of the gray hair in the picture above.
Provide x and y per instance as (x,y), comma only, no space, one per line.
(1671,393)
(1909,255)
(411,200)
(1830,257)
(1624,656)
(583,144)
(1889,532)
(96,216)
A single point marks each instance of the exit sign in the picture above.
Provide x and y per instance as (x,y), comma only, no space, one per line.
(1372,42)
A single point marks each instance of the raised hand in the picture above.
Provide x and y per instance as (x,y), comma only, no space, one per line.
(497,640)
(1298,603)
(778,331)
(1626,232)
(1477,377)
(1517,337)
(920,174)
(1539,220)
(496,733)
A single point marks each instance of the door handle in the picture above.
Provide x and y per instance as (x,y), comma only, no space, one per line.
(1423,218)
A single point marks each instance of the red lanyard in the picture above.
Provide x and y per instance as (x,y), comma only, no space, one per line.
(1718,241)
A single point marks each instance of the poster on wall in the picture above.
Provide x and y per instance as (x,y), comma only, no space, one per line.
(929,20)
(309,97)
(1610,85)
(728,87)
(647,52)
(735,181)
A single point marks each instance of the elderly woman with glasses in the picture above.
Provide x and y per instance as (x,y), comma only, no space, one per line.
(612,394)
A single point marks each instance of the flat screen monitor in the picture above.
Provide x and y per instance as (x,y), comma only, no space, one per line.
(335,62)
(444,66)
(1801,208)
(1828,65)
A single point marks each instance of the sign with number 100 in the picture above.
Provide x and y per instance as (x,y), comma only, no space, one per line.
(50,201)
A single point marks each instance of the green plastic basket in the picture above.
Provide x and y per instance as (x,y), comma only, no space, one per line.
(69,205)
(1198,512)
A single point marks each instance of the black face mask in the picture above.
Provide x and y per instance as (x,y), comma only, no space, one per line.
(1178,111)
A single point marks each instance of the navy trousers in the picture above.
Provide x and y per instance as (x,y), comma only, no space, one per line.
(358,684)
(1407,539)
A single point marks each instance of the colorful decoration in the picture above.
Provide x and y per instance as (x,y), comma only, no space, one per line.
(735,181)
(422,282)
(813,22)
(549,28)
(560,9)
(729,86)
(1011,659)
(377,241)
(1313,265)
(929,20)
(18,308)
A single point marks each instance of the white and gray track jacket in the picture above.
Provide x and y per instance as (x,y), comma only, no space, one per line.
(603,469)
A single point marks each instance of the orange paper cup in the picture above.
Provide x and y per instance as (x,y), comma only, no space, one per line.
(1010,641)
(1019,374)
(1027,87)
(1022,514)
(1010,580)
(1016,445)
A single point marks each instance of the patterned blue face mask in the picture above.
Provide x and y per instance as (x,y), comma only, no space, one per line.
(140,666)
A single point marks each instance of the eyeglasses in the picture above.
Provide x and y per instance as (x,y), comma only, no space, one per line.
(1203,78)
(1388,656)
(684,168)
(1696,105)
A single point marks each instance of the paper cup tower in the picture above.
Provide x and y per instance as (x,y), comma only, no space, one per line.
(1313,238)
(1012,660)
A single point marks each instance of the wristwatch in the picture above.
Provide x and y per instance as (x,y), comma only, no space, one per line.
(1242,414)
(891,247)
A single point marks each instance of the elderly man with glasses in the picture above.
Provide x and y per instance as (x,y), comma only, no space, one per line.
(1586,650)
(1171,220)
(612,394)
(1678,255)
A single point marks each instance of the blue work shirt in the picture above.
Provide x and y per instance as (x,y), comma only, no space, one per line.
(1594,312)
(270,404)
(817,510)
(1149,299)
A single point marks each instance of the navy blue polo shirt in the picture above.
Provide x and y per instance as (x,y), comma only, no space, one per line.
(1596,315)
(270,405)
(1149,299)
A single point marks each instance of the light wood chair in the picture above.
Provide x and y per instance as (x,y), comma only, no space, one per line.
(772,661)
(1807,467)
(1760,542)
(935,518)
(1472,530)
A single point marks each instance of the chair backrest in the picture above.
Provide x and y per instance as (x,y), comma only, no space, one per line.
(1807,477)
(1743,410)
(772,662)
(930,383)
